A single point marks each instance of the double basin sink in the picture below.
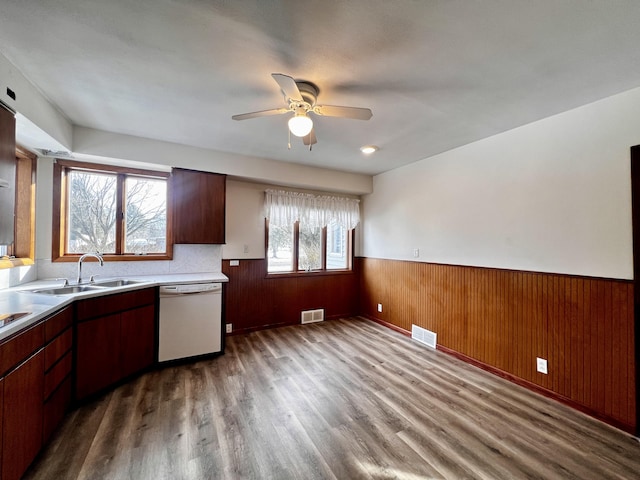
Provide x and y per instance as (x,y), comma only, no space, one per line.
(71,289)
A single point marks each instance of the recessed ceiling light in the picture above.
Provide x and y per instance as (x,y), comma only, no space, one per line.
(369,149)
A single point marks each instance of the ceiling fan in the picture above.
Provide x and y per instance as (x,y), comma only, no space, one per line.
(300,99)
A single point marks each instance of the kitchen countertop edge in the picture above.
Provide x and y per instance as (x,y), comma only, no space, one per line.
(22,298)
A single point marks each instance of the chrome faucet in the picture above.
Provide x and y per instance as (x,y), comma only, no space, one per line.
(81,259)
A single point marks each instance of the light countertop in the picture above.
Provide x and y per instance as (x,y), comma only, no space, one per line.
(22,298)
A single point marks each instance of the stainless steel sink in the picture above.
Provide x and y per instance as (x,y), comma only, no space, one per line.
(68,290)
(115,283)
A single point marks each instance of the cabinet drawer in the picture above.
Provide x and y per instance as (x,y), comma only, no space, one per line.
(55,324)
(57,348)
(18,348)
(54,377)
(108,304)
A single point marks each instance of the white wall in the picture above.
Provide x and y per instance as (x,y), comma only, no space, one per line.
(32,105)
(112,145)
(244,220)
(551,196)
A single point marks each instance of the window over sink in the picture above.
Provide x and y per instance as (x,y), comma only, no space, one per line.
(120,212)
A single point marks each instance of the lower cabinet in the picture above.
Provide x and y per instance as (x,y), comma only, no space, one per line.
(112,346)
(116,338)
(137,340)
(98,342)
(58,367)
(1,421)
(23,416)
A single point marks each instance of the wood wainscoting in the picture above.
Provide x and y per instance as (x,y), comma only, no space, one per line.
(503,320)
(254,301)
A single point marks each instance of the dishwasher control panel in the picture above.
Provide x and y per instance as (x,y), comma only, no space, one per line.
(190,288)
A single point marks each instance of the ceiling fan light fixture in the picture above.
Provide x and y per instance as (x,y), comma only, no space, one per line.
(369,149)
(300,124)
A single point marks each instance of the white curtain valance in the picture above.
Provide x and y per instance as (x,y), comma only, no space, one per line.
(316,211)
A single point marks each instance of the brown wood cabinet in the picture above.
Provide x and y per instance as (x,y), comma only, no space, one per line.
(137,339)
(97,354)
(22,407)
(35,390)
(1,420)
(58,366)
(115,339)
(198,206)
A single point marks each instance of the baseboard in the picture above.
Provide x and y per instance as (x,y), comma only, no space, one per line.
(387,324)
(540,390)
(240,331)
(518,381)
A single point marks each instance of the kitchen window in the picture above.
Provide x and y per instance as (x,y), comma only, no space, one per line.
(21,251)
(120,212)
(309,233)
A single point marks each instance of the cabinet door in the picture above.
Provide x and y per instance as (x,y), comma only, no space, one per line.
(198,206)
(98,358)
(22,432)
(137,330)
(1,422)
(8,173)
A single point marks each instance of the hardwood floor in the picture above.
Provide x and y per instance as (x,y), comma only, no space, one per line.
(342,399)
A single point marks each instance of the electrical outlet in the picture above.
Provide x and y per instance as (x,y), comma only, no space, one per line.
(416,252)
(229,327)
(541,365)
(380,307)
(246,248)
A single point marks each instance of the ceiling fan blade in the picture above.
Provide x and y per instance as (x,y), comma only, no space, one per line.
(310,139)
(345,112)
(261,113)
(288,86)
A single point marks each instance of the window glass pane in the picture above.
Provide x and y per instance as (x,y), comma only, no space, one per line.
(91,220)
(280,249)
(337,247)
(310,246)
(145,216)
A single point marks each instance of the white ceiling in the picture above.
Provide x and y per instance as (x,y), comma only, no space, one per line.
(437,74)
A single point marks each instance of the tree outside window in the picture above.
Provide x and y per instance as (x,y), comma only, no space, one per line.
(112,210)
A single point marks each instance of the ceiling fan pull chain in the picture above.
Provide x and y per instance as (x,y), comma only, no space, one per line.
(289,132)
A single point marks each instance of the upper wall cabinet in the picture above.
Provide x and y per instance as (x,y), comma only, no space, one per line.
(7,175)
(198,206)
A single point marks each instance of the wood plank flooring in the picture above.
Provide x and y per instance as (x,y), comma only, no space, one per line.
(342,399)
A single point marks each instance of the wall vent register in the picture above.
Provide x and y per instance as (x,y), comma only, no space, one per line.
(312,316)
(423,335)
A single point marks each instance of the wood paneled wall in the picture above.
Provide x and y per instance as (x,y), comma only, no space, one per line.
(254,301)
(504,319)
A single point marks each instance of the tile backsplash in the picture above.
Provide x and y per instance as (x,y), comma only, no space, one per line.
(186,259)
(10,277)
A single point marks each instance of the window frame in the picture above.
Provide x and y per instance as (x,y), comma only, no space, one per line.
(22,250)
(60,209)
(350,238)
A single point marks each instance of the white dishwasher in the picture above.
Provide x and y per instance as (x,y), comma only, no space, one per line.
(190,322)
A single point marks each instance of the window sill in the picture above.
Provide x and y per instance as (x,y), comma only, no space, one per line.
(15,262)
(116,258)
(317,273)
